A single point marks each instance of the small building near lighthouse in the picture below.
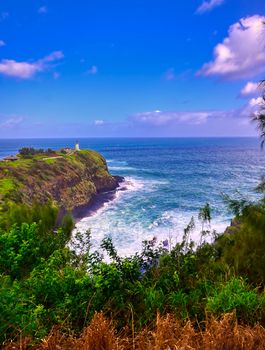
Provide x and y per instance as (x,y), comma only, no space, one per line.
(10,159)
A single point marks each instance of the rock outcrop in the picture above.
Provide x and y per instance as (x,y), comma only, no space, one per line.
(68,180)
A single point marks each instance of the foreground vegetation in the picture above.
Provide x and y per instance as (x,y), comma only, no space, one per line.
(45,282)
(168,333)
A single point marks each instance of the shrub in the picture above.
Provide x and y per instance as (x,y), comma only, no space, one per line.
(237,295)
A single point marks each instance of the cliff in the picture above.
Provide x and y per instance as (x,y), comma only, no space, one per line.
(70,180)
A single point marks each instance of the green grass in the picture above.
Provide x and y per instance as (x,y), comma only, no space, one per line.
(18,163)
(50,160)
(6,185)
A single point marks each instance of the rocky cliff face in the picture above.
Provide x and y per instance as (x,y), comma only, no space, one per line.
(69,180)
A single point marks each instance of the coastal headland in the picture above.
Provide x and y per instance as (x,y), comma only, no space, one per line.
(73,180)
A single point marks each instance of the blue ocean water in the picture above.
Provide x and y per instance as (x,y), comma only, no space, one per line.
(167,181)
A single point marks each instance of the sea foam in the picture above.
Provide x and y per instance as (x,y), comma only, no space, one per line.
(128,230)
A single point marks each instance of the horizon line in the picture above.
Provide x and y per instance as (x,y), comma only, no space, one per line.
(126,137)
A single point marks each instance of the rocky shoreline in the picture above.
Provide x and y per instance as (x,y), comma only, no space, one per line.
(97,201)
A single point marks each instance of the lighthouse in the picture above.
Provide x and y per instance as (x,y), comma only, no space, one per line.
(77,148)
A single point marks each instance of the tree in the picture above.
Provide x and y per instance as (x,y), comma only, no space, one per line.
(205,217)
(259,117)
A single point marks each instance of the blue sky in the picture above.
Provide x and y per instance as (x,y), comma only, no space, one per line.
(130,68)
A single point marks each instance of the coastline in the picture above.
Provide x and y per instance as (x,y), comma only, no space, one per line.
(98,201)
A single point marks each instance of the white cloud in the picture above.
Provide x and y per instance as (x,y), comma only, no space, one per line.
(27,70)
(55,55)
(250,89)
(43,9)
(253,107)
(21,70)
(255,103)
(99,122)
(10,122)
(159,118)
(2,43)
(174,118)
(92,70)
(241,54)
(209,5)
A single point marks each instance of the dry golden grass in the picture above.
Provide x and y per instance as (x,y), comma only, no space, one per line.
(169,334)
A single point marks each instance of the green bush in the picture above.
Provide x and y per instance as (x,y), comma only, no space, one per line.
(44,283)
(244,250)
(236,295)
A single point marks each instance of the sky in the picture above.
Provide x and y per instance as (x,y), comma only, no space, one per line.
(105,68)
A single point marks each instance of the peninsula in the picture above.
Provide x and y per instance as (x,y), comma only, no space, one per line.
(71,179)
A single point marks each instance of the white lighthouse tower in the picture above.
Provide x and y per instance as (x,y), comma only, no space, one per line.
(77,148)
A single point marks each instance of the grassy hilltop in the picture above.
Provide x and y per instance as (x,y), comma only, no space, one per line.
(68,179)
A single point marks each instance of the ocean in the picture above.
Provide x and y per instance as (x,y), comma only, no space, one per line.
(167,180)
